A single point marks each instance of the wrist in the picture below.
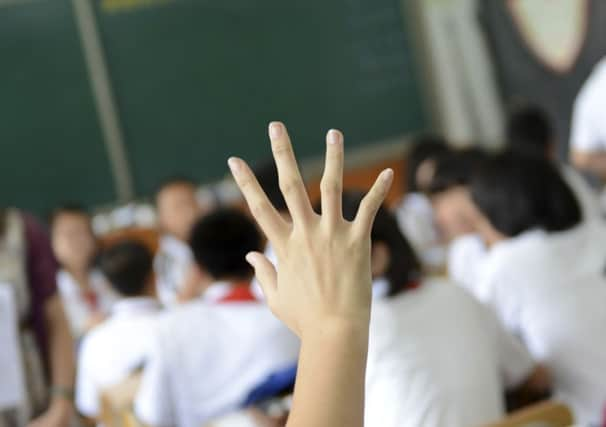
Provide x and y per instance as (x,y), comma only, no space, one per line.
(338,329)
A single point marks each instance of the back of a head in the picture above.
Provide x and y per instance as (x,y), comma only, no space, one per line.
(425,147)
(454,169)
(518,193)
(529,130)
(404,267)
(128,265)
(220,242)
(267,175)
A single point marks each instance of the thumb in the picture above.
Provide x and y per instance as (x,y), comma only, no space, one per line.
(266,274)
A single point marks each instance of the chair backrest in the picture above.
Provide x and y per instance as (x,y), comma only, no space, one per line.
(117,402)
(544,414)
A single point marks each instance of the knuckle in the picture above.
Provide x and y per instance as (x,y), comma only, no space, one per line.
(288,186)
(330,187)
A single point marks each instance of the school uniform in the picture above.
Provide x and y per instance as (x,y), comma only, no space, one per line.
(438,358)
(208,355)
(114,350)
(79,304)
(550,290)
(465,256)
(587,197)
(416,220)
(171,265)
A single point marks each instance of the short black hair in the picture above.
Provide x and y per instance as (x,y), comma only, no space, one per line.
(518,193)
(128,265)
(67,208)
(267,175)
(404,268)
(529,130)
(220,242)
(455,168)
(425,147)
(173,181)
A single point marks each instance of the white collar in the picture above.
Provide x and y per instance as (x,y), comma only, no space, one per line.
(216,292)
(68,284)
(135,305)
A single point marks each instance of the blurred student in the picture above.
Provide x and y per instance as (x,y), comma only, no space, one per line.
(209,354)
(424,369)
(28,271)
(544,273)
(588,129)
(414,213)
(120,346)
(86,294)
(529,131)
(178,210)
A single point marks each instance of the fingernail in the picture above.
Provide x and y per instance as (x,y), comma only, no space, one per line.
(334,137)
(275,130)
(387,174)
(250,258)
(234,164)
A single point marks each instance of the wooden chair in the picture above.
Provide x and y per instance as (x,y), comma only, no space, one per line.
(544,414)
(117,403)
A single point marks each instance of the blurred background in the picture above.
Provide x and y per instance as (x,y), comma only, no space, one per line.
(102,100)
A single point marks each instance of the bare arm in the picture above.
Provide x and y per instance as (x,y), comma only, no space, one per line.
(322,287)
(594,162)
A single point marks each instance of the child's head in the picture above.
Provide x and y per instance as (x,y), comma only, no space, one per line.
(392,256)
(177,207)
(220,242)
(516,193)
(73,240)
(420,161)
(529,131)
(128,265)
(453,210)
(267,175)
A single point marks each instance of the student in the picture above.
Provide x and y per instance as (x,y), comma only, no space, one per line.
(424,369)
(544,273)
(177,210)
(120,346)
(529,131)
(414,213)
(588,130)
(210,353)
(86,295)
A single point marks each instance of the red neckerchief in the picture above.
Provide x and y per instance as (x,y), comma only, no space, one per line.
(91,299)
(240,292)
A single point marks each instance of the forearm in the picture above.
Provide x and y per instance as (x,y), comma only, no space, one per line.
(331,375)
(594,162)
(61,352)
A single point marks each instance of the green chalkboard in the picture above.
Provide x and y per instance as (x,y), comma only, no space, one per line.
(198,80)
(51,145)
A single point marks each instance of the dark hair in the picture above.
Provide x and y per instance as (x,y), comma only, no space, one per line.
(518,193)
(404,268)
(128,266)
(424,147)
(455,168)
(174,181)
(220,242)
(70,209)
(529,130)
(267,175)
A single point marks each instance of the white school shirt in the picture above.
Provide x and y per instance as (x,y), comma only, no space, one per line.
(416,220)
(113,350)
(207,358)
(465,256)
(550,290)
(77,309)
(588,128)
(439,358)
(171,265)
(588,198)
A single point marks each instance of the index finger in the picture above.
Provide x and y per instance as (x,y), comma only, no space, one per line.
(291,183)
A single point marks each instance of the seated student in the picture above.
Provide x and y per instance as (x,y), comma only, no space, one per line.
(85,293)
(544,273)
(208,355)
(414,213)
(529,131)
(448,197)
(120,346)
(436,357)
(177,210)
